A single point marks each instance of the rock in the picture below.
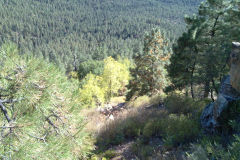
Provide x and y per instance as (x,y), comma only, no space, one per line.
(208,121)
(212,112)
(111,117)
(229,91)
(108,107)
(235,66)
(106,110)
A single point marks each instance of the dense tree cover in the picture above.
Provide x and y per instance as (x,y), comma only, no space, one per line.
(91,66)
(70,32)
(99,89)
(39,110)
(150,74)
(201,54)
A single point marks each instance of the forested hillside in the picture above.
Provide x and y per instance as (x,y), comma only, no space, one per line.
(76,30)
(119,80)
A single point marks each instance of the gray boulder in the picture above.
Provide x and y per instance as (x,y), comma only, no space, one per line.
(212,112)
(229,92)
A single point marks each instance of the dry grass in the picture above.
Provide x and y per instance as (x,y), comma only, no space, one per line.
(117,100)
(98,122)
(145,101)
(128,125)
(142,120)
(95,120)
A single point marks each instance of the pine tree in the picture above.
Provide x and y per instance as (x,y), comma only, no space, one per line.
(200,55)
(149,74)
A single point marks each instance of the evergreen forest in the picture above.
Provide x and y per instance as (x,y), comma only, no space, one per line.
(70,32)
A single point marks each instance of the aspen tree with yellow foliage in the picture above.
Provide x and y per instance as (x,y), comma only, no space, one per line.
(115,77)
(92,94)
(112,82)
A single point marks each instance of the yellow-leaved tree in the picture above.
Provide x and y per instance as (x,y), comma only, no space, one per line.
(112,82)
(115,77)
(92,94)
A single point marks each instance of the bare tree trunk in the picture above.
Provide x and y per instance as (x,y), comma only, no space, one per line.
(212,96)
(214,86)
(206,89)
(193,69)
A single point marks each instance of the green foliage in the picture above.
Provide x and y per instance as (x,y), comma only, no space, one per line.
(91,93)
(197,153)
(132,129)
(91,66)
(154,128)
(201,54)
(144,124)
(175,129)
(225,147)
(234,149)
(212,149)
(96,90)
(150,75)
(142,150)
(229,118)
(69,32)
(41,120)
(179,104)
(109,154)
(115,77)
(180,129)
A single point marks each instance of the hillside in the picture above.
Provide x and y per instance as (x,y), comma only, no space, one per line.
(124,81)
(76,30)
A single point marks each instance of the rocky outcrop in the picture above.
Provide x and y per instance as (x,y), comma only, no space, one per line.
(211,114)
(229,92)
(235,66)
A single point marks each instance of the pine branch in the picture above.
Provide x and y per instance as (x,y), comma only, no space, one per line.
(39,138)
(4,110)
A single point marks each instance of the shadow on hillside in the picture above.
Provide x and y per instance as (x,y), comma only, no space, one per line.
(127,127)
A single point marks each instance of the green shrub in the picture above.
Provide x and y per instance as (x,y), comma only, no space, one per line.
(141,150)
(154,127)
(214,148)
(132,128)
(227,121)
(180,129)
(178,104)
(198,153)
(234,149)
(175,129)
(145,123)
(109,154)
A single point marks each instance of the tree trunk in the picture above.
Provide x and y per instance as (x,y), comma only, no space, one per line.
(206,89)
(214,86)
(193,69)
